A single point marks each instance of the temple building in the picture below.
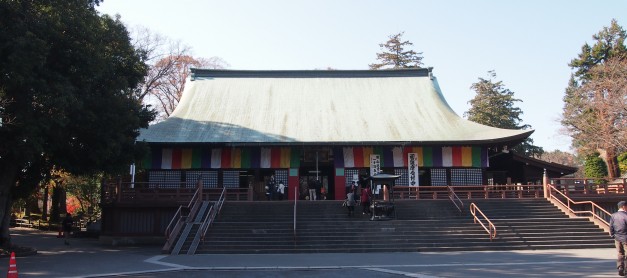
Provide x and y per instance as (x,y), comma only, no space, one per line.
(236,129)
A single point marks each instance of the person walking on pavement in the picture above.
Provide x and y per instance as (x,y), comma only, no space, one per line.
(618,231)
(67,224)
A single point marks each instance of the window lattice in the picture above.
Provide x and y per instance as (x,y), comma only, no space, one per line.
(281,176)
(209,178)
(404,179)
(230,179)
(466,177)
(164,179)
(438,177)
(348,175)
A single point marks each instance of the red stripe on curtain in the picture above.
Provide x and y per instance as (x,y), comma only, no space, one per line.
(275,154)
(226,158)
(457,156)
(177,157)
(358,155)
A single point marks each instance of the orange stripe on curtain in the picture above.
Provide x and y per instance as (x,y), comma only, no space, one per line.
(275,160)
(467,156)
(366,157)
(285,158)
(236,158)
(418,151)
(186,158)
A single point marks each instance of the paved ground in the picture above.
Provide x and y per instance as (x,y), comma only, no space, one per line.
(88,258)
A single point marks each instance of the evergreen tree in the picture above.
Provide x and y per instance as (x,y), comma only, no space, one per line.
(395,56)
(494,105)
(66,74)
(594,167)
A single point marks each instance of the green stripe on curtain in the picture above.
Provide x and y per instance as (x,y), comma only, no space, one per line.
(294,158)
(246,158)
(476,156)
(427,156)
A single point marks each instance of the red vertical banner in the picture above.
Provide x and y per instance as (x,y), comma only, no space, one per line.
(275,158)
(226,158)
(340,187)
(177,157)
(457,156)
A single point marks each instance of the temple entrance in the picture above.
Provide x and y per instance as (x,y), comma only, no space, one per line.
(325,174)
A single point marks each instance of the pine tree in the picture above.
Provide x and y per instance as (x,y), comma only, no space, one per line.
(494,105)
(394,55)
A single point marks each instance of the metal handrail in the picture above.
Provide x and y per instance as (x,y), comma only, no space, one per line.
(594,216)
(453,197)
(295,201)
(491,229)
(211,216)
(177,215)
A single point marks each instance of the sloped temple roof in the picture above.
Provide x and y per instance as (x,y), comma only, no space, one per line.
(321,107)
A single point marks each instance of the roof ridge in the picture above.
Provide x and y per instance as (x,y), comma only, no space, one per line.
(222,73)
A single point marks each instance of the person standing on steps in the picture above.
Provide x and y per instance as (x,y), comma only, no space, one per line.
(67,224)
(365,200)
(350,202)
(618,231)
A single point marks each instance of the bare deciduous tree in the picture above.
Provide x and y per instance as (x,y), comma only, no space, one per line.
(169,63)
(604,99)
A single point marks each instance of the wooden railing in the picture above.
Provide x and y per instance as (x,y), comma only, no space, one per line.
(490,228)
(211,215)
(468,192)
(596,214)
(588,186)
(455,199)
(180,193)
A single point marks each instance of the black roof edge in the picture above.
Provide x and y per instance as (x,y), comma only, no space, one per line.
(197,73)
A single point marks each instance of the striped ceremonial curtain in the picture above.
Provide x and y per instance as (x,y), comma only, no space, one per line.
(456,156)
(222,158)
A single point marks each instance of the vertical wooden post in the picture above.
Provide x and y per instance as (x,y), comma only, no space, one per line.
(545,184)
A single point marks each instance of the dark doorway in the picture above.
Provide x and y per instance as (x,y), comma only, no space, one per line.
(326,176)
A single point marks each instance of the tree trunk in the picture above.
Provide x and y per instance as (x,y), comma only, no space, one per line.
(44,214)
(612,165)
(7,180)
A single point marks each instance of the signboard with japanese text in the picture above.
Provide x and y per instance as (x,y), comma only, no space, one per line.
(412,169)
(375,164)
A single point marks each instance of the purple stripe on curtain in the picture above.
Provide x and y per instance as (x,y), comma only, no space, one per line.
(156,158)
(388,157)
(255,158)
(484,157)
(205,158)
(437,156)
(338,157)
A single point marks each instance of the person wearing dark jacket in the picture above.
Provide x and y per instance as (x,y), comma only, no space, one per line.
(618,231)
(67,224)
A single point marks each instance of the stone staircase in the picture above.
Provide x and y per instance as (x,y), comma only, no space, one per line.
(420,226)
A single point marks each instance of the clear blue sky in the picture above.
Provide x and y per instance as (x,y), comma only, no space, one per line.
(528,43)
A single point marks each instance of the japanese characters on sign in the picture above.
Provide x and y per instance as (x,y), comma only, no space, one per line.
(375,164)
(412,169)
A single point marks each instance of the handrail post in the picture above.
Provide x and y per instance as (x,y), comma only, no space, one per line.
(295,202)
(545,183)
